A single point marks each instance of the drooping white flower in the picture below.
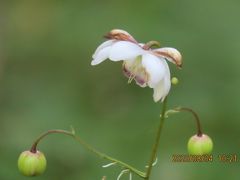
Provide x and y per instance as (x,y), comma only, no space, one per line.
(148,67)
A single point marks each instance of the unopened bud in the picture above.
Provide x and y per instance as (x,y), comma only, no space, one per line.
(200,145)
(174,81)
(32,164)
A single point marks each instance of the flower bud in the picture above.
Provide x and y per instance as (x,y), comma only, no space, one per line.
(174,81)
(32,164)
(200,145)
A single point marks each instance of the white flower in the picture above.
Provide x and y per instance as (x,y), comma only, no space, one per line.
(148,67)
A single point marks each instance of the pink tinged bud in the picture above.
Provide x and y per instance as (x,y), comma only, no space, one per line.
(200,145)
(32,164)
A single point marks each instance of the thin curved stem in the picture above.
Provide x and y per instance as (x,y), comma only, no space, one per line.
(157,140)
(53,131)
(150,44)
(199,128)
(87,146)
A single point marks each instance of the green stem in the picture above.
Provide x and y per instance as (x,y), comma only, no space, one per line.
(150,44)
(199,128)
(157,140)
(87,146)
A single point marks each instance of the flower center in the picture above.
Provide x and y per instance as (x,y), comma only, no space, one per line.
(135,70)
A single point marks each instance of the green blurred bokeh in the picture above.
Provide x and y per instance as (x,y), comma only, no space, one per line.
(46,82)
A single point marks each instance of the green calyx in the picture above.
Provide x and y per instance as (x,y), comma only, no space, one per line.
(32,164)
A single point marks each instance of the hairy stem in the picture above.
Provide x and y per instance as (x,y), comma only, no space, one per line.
(157,140)
(88,147)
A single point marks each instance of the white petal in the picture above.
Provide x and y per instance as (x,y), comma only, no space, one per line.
(158,91)
(156,68)
(101,55)
(103,45)
(167,84)
(123,50)
(162,89)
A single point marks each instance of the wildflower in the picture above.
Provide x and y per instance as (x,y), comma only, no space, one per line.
(147,66)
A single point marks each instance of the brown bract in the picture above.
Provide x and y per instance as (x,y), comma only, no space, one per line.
(170,54)
(120,35)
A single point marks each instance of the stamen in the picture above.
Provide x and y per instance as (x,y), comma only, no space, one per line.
(108,165)
(130,176)
(131,77)
(121,173)
(134,70)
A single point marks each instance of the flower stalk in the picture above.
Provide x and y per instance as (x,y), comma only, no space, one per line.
(88,147)
(199,128)
(104,156)
(157,140)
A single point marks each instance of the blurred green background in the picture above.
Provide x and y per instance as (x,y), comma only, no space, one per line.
(46,82)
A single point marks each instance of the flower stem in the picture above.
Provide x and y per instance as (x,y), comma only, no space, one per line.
(88,147)
(157,140)
(199,129)
(150,44)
